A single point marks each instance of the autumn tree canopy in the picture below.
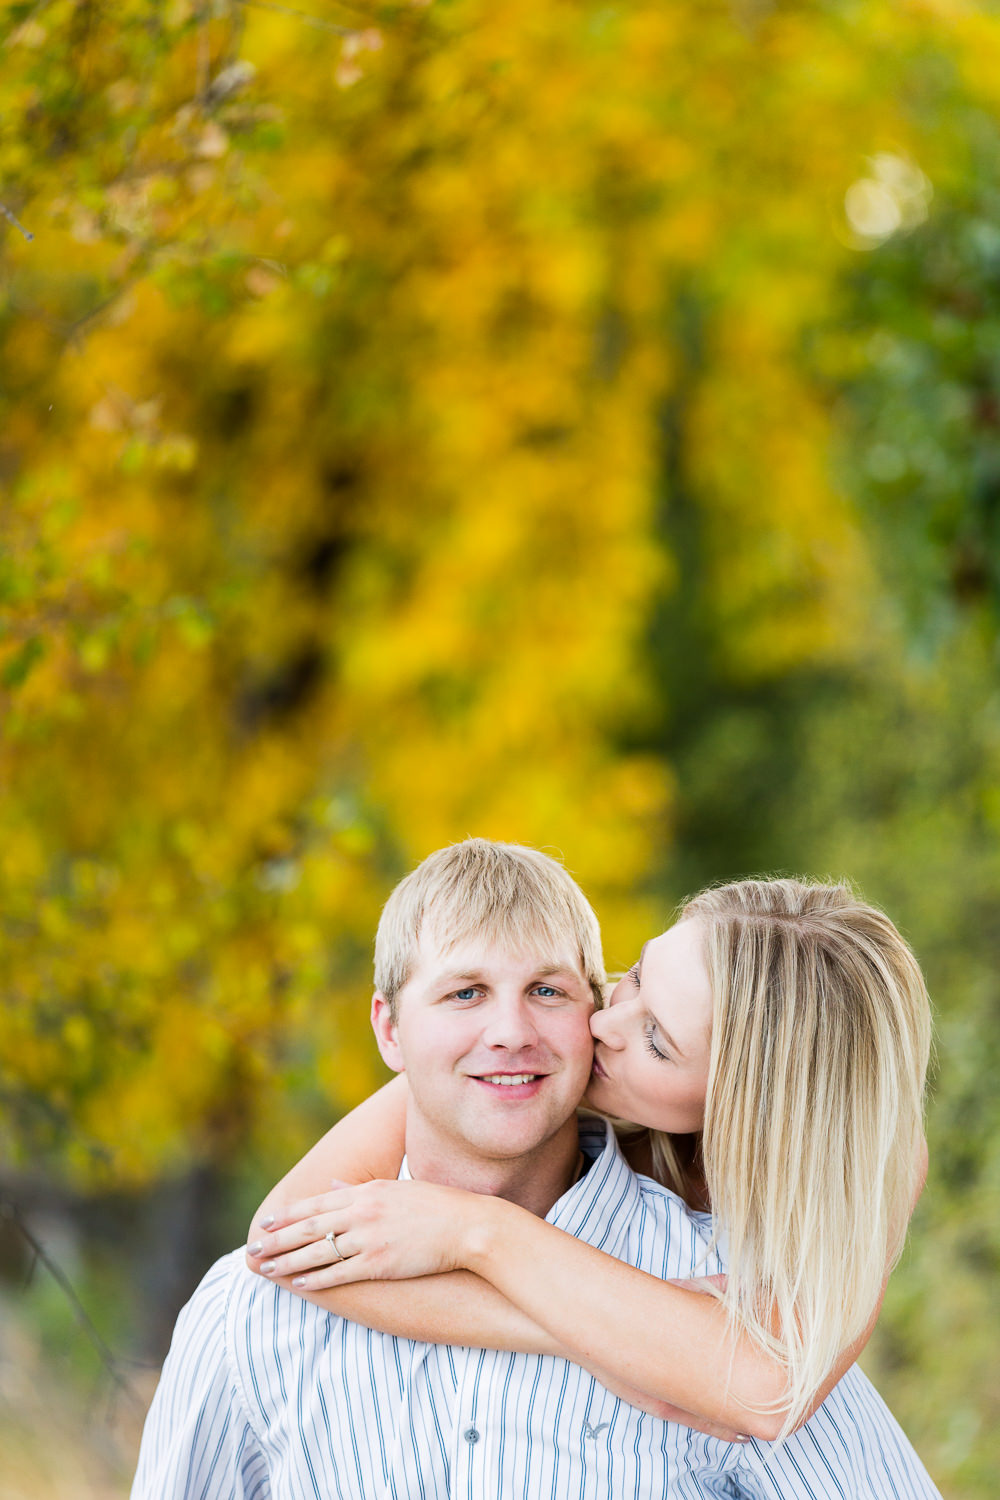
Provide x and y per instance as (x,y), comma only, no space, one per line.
(567,423)
(337,366)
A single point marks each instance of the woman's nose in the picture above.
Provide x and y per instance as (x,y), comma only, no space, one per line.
(606,1027)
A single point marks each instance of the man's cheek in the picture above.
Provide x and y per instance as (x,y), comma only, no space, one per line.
(576,1042)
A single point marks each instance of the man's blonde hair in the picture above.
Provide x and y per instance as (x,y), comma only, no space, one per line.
(821,1033)
(506,893)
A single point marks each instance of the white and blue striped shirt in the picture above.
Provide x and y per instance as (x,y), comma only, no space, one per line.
(266,1397)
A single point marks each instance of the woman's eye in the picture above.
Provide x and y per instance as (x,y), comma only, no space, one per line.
(633,975)
(546,991)
(652,1048)
(469,994)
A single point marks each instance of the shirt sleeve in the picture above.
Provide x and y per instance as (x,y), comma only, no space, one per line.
(197,1443)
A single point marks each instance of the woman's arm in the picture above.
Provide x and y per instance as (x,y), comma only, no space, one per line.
(457,1308)
(665,1338)
(365,1144)
(413,1238)
(670,1341)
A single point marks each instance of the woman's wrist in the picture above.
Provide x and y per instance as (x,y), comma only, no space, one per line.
(481,1232)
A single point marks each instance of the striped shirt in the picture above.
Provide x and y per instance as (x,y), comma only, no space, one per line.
(266,1397)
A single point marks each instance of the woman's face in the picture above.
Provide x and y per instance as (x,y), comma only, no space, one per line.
(651,1043)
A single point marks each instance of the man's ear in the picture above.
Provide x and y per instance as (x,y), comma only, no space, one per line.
(384,1028)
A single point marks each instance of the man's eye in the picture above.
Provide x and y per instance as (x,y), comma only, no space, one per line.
(547,992)
(469,994)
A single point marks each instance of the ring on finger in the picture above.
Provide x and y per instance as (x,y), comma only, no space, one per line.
(332,1238)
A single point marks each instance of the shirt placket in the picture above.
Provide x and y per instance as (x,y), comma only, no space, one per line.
(473,1440)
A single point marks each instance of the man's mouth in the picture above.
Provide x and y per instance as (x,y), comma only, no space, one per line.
(509,1080)
(511,1085)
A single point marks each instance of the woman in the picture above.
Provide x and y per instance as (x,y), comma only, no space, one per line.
(774,1043)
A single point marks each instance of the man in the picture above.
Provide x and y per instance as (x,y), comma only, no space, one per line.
(488,961)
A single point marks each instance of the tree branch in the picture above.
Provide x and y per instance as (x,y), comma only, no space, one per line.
(13,219)
(110,1363)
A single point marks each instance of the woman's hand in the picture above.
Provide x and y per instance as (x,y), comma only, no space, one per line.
(378,1231)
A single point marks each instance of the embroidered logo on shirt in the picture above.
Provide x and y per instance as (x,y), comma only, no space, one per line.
(593,1432)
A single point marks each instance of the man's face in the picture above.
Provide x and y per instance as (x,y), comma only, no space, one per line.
(496,1047)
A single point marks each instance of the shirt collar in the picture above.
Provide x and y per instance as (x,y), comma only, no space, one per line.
(599,1207)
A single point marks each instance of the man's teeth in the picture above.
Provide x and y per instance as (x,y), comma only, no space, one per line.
(506,1078)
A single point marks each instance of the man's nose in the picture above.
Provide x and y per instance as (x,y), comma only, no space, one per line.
(510,1023)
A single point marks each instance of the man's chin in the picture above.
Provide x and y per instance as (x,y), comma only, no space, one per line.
(513,1137)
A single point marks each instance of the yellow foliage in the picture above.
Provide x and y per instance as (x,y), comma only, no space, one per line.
(334,439)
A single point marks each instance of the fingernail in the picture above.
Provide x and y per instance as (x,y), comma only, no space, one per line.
(255,1248)
(741,1439)
(267,1221)
(298,1281)
(267,1267)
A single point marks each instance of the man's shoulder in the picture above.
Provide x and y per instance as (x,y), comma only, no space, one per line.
(642,1221)
(260,1313)
(223,1277)
(247,1294)
(213,1290)
(599,1142)
(676,1239)
(242,1328)
(228,1290)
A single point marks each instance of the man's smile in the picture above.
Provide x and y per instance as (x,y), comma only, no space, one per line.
(511,1085)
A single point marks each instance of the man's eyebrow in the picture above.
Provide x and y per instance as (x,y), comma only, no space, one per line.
(469,976)
(478,976)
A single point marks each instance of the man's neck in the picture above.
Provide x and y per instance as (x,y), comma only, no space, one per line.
(534,1181)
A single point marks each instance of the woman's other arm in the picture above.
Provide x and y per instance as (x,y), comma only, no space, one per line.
(365,1144)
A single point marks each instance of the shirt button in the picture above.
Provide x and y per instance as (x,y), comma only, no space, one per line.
(471,1435)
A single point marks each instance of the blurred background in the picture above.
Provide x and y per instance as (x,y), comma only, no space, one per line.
(576,424)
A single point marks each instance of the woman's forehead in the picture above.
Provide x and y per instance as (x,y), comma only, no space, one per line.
(675,979)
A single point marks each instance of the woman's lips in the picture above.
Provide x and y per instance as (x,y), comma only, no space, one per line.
(597,1070)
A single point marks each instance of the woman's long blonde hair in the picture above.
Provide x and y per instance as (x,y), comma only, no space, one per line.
(821,1034)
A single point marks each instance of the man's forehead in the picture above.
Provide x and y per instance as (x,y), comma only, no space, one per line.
(478,957)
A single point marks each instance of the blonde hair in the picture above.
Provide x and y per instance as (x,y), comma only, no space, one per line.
(505,893)
(821,1034)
